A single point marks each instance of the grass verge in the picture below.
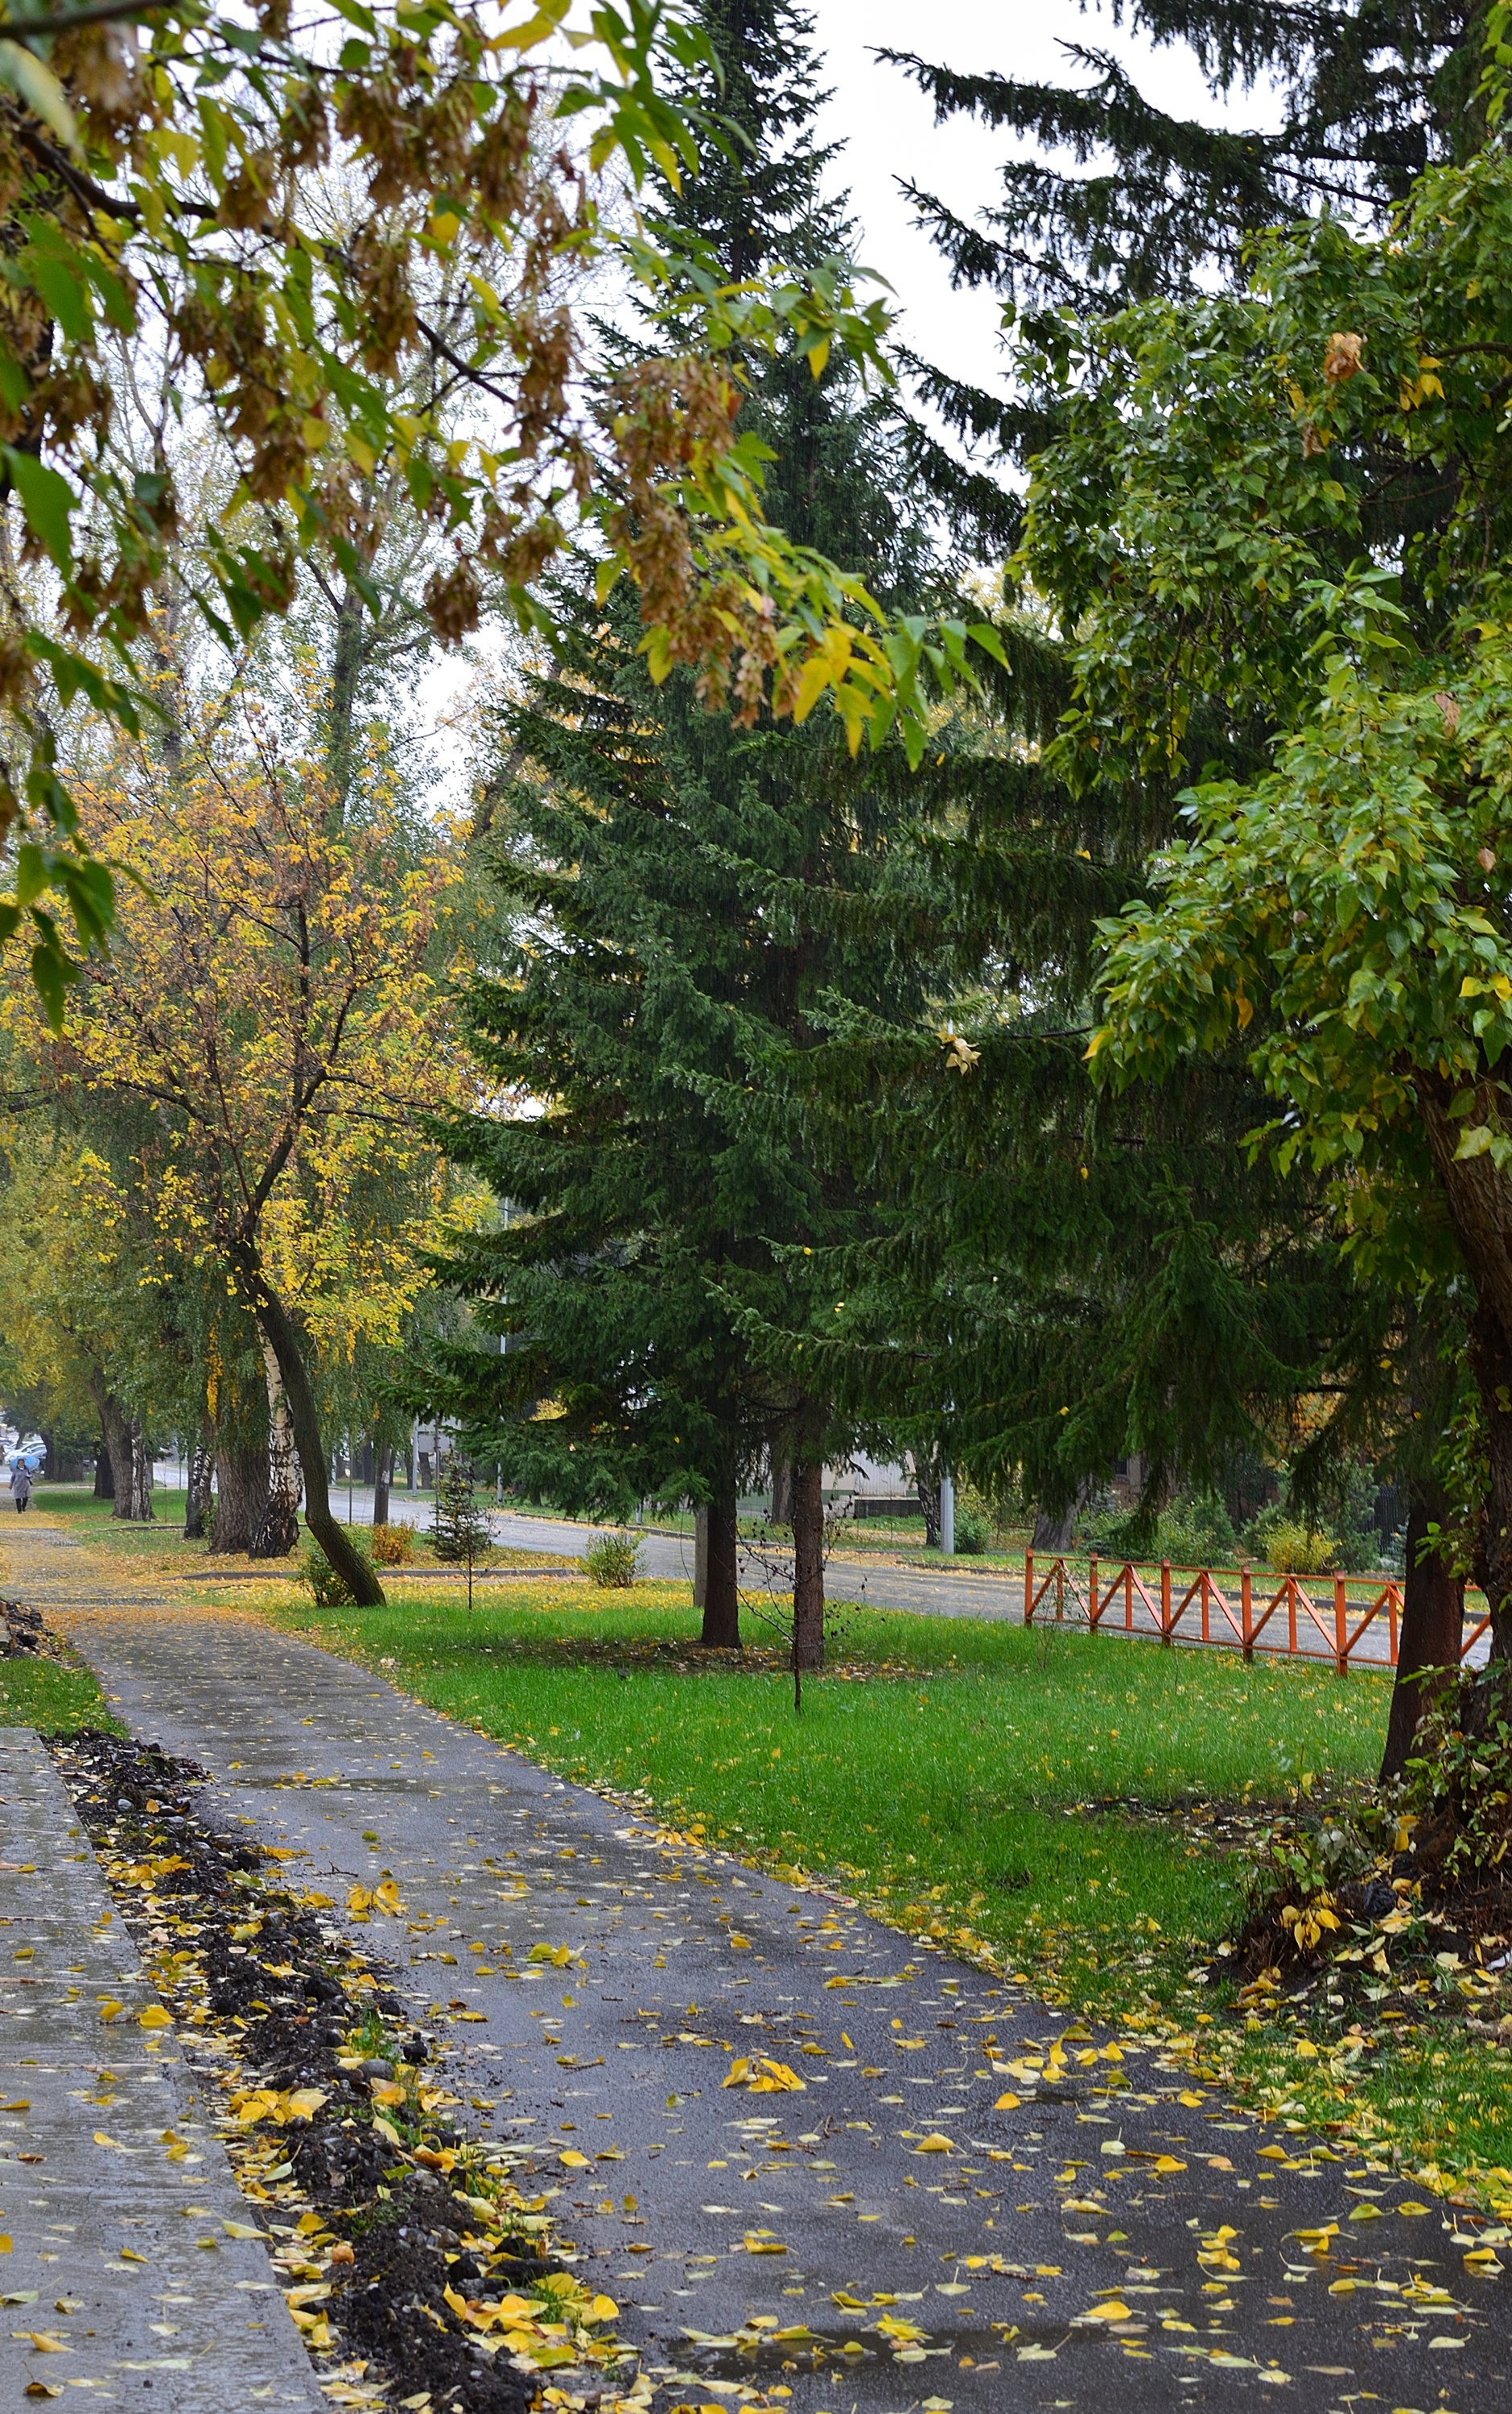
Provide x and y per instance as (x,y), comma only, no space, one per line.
(54,1695)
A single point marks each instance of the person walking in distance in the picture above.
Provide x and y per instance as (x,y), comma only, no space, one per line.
(20,1484)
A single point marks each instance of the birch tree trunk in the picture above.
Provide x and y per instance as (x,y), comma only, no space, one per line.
(199,1491)
(279,1525)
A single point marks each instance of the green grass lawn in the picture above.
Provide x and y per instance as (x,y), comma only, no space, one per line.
(52,1696)
(960,1775)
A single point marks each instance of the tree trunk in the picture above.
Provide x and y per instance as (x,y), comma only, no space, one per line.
(722,1599)
(808,1565)
(139,1511)
(117,1426)
(279,1525)
(383,1476)
(700,1557)
(346,673)
(104,1470)
(781,1490)
(1479,1199)
(241,1496)
(927,1484)
(1433,1627)
(279,1332)
(1054,1534)
(199,1490)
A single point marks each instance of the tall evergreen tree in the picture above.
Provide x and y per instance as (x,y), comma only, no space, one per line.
(1118,201)
(1088,1278)
(693,890)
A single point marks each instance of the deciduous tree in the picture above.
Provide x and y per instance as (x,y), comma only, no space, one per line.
(279,1003)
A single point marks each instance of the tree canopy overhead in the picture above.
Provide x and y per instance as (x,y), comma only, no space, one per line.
(354,243)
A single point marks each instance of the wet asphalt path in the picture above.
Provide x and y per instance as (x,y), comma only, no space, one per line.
(1089,2244)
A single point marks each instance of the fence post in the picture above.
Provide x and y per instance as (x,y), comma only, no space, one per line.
(1340,1625)
(1092,1594)
(1128,1596)
(1028,1587)
(1202,1580)
(1391,1619)
(1246,1614)
(1165,1601)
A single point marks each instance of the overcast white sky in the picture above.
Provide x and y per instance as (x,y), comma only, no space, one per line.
(888,127)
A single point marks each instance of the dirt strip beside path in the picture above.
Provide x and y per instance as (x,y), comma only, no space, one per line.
(897,2233)
(119,2273)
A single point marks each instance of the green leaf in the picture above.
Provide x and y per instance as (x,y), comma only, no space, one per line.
(53,969)
(38,87)
(46,499)
(59,275)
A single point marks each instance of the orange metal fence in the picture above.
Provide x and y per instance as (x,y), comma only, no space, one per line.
(1287,1620)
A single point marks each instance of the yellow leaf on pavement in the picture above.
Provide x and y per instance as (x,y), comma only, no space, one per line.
(934,2144)
(1115,2311)
(1008,2103)
(775,2079)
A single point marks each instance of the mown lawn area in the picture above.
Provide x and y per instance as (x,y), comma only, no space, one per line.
(52,1696)
(969,1780)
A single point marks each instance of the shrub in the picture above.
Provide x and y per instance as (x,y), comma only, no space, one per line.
(1193,1530)
(613,1560)
(1292,1547)
(320,1579)
(973,1528)
(392,1546)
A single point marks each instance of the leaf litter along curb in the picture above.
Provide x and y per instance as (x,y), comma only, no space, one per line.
(419,2264)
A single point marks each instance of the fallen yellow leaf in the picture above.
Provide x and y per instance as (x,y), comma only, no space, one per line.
(1008,2103)
(1115,2311)
(573,2161)
(934,2144)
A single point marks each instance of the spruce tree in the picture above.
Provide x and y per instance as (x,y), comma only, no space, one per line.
(692,892)
(1372,92)
(460,1533)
